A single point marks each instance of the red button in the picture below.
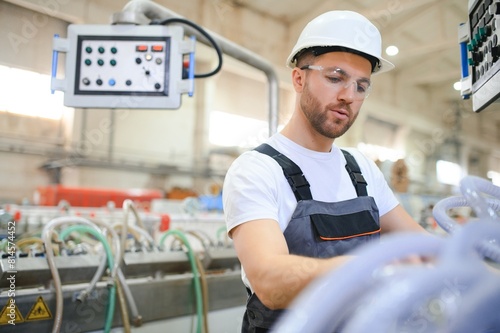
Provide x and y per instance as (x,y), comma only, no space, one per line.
(157,48)
(141,48)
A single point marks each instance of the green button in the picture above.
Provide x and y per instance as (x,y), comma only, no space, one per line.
(114,50)
(101,49)
(100,62)
(470,47)
(471,62)
(112,62)
(88,49)
(482,32)
(88,62)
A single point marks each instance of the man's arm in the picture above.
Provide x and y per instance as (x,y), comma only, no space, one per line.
(399,220)
(275,275)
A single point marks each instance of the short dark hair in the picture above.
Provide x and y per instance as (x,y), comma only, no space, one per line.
(316,51)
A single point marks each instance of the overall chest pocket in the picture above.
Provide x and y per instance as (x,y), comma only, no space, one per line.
(345,226)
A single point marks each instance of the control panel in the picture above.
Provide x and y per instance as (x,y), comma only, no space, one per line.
(123,66)
(479,39)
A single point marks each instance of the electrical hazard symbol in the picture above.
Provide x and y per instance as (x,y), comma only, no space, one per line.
(39,311)
(10,313)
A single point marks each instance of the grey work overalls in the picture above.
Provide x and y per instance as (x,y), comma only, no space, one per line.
(317,229)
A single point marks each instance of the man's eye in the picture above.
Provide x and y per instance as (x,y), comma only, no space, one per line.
(363,88)
(335,79)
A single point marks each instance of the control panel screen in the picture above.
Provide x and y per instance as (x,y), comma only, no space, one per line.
(122,65)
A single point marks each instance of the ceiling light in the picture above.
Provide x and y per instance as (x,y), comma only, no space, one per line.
(392,50)
(457,85)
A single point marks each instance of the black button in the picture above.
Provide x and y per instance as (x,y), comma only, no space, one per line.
(138,60)
(128,82)
(157,86)
(99,82)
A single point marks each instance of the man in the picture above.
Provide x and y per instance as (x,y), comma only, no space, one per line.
(297,206)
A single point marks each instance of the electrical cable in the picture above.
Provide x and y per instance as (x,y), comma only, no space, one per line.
(196,275)
(123,307)
(136,317)
(118,253)
(111,265)
(146,235)
(198,234)
(29,241)
(205,34)
(82,296)
(204,291)
(49,254)
(128,206)
(102,265)
(139,234)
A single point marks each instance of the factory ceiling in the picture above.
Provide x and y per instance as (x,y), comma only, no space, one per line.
(425,31)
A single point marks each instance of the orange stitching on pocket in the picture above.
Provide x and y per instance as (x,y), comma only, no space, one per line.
(352,236)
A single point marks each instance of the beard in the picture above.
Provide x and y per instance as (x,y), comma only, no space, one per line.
(318,116)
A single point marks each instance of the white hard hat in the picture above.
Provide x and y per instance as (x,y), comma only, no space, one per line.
(342,29)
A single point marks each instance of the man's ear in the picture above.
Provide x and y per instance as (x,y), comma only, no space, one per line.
(298,79)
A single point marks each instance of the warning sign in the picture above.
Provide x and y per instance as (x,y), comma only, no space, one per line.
(39,311)
(10,313)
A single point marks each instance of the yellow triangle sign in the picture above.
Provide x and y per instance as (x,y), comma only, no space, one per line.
(39,311)
(10,314)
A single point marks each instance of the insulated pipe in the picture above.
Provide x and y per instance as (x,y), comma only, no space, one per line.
(400,301)
(143,11)
(472,188)
(312,310)
(459,270)
(463,243)
(479,309)
(489,246)
(440,212)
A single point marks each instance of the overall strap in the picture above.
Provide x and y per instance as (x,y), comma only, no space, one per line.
(292,172)
(354,171)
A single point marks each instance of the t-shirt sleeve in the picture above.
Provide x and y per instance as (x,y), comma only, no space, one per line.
(250,191)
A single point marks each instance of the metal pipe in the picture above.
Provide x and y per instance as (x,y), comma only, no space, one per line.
(143,11)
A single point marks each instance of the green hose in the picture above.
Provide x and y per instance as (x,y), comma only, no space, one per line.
(112,289)
(196,274)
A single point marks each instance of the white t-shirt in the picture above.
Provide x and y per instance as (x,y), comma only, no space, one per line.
(256,188)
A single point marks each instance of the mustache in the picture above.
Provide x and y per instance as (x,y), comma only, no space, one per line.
(336,106)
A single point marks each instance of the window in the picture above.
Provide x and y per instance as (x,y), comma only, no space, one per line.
(231,130)
(495,177)
(380,153)
(448,172)
(28,93)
